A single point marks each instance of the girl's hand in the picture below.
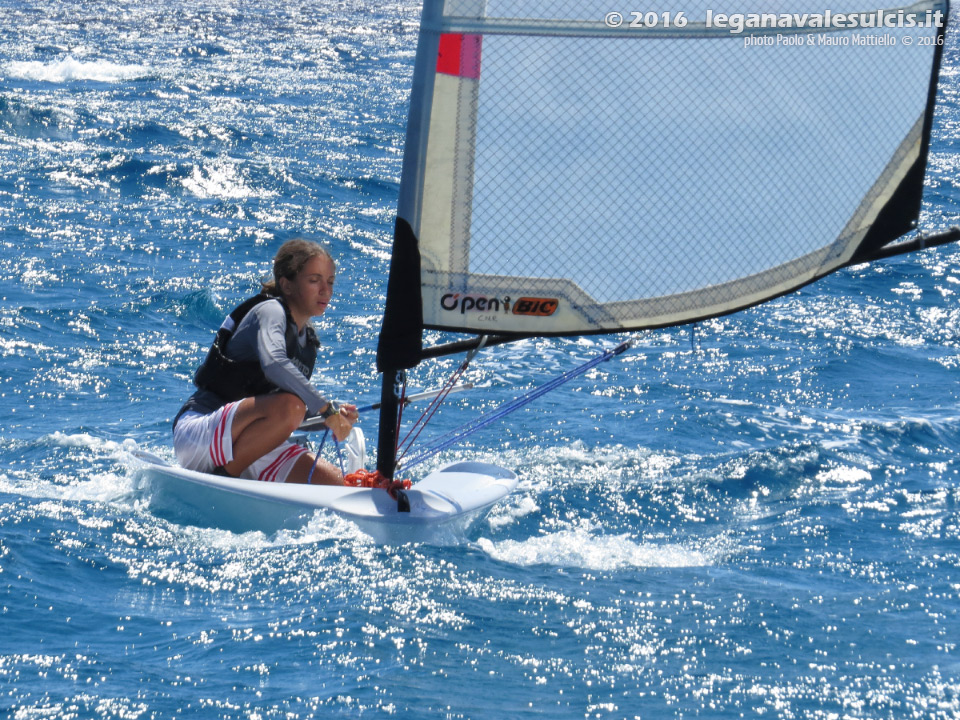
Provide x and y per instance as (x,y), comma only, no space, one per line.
(350,413)
(342,422)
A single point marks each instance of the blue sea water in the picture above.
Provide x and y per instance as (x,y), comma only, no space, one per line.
(758,520)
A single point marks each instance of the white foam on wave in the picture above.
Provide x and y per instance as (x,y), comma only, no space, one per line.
(504,515)
(585,550)
(222,181)
(322,526)
(85,440)
(70,69)
(70,486)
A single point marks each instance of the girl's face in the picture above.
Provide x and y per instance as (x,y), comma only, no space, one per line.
(309,293)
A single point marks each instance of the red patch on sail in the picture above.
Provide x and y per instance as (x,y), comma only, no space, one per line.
(459,55)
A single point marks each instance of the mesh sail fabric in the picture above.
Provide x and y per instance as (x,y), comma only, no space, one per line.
(565,176)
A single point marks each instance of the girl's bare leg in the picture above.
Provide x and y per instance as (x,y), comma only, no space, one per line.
(260,424)
(323,474)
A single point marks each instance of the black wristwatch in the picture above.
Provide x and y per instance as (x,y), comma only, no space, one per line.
(331,410)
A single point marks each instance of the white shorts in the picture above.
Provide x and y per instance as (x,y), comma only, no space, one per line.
(205,442)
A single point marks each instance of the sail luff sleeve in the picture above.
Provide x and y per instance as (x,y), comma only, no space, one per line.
(402,328)
(401,334)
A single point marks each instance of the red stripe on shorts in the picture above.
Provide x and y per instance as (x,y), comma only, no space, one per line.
(216,448)
(273,469)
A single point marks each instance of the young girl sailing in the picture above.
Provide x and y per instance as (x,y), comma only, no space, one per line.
(254,388)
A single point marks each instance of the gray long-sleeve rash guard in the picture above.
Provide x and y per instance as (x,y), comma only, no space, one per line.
(261,336)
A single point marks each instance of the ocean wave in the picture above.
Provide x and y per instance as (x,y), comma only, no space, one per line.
(580,548)
(88,441)
(70,69)
(204,50)
(222,181)
(20,119)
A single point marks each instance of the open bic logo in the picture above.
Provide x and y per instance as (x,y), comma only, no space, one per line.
(537,307)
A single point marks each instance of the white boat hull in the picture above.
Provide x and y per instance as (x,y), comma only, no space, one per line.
(442,506)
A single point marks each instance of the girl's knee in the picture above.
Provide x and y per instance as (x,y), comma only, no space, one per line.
(288,409)
(293,405)
(293,408)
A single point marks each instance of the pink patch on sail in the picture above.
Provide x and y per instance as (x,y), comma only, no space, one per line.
(459,55)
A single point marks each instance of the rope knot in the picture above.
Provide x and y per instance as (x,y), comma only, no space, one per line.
(373,479)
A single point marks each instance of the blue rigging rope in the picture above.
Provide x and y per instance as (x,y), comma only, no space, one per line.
(454,436)
(316,457)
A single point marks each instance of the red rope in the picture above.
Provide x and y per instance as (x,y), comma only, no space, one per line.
(429,412)
(373,479)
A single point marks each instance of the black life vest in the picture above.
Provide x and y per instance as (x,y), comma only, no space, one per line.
(233,380)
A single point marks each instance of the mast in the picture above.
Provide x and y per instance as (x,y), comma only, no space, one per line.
(389,413)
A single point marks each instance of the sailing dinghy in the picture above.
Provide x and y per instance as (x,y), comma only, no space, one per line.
(565,174)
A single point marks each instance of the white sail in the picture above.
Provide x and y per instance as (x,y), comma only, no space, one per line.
(566,175)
